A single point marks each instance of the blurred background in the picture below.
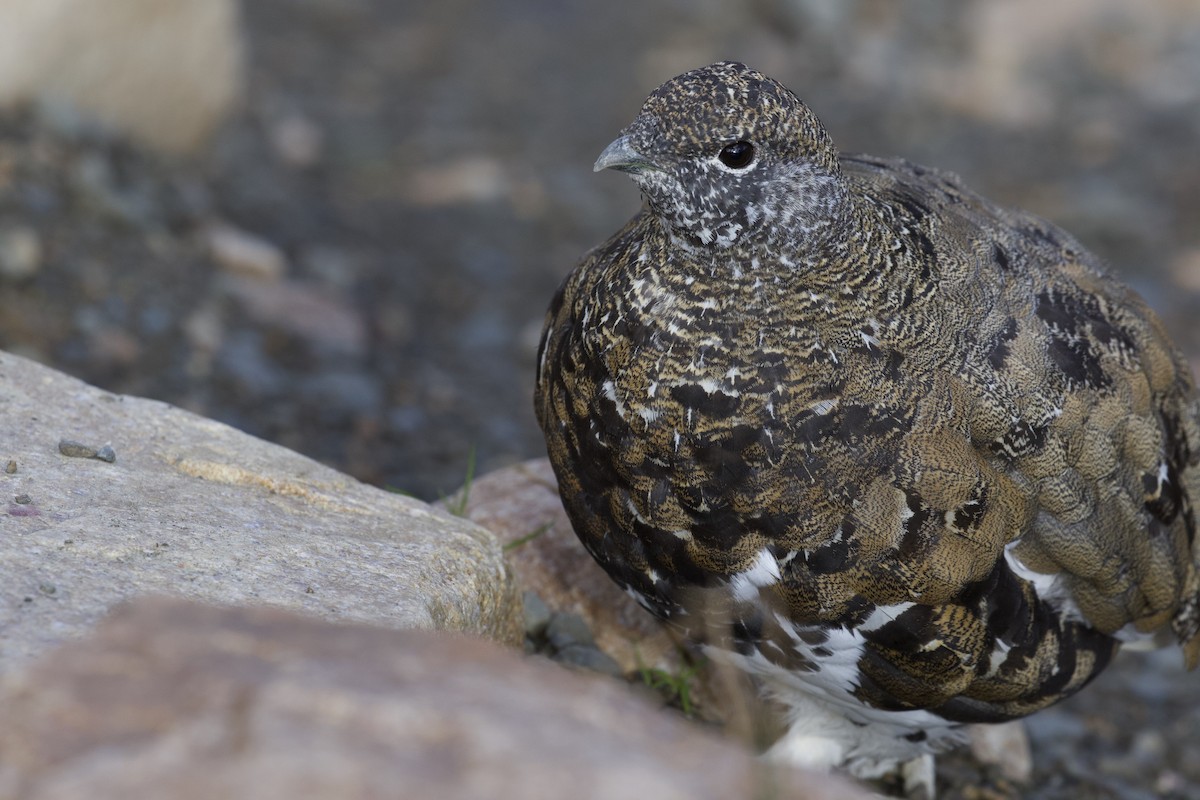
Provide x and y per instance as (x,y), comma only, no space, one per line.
(336,224)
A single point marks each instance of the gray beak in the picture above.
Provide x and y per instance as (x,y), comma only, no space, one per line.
(620,155)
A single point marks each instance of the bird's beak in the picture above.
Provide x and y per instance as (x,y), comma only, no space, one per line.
(620,155)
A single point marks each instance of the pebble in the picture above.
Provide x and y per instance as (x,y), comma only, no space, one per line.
(1169,783)
(73,449)
(1185,269)
(537,615)
(1004,746)
(469,179)
(20,252)
(307,310)
(589,657)
(297,141)
(566,629)
(94,180)
(244,253)
(564,637)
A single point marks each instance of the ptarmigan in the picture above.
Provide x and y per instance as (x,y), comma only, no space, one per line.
(911,458)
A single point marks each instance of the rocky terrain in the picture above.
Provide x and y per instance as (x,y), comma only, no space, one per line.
(356,265)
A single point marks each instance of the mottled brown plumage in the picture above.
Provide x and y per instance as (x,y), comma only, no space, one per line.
(914,458)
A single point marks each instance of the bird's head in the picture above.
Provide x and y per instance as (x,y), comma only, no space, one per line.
(724,154)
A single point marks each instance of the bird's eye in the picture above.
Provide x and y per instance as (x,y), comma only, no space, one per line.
(738,155)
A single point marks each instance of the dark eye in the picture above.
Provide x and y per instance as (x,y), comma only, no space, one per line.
(737,155)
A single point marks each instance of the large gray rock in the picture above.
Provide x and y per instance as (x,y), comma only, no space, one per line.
(195,508)
(174,699)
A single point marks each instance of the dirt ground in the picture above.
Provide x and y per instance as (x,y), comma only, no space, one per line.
(425,171)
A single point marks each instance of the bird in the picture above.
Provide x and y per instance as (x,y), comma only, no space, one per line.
(910,458)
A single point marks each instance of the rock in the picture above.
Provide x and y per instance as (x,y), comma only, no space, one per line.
(521,503)
(590,657)
(243,253)
(297,140)
(167,71)
(1185,269)
(470,179)
(196,508)
(566,629)
(20,252)
(307,310)
(174,699)
(98,189)
(537,613)
(1004,746)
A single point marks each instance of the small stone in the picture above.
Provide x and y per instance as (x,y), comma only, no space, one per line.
(1004,746)
(94,179)
(566,629)
(11,467)
(1185,269)
(23,499)
(48,589)
(74,449)
(304,309)
(244,253)
(537,614)
(20,253)
(588,657)
(1169,783)
(1148,747)
(470,179)
(297,141)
